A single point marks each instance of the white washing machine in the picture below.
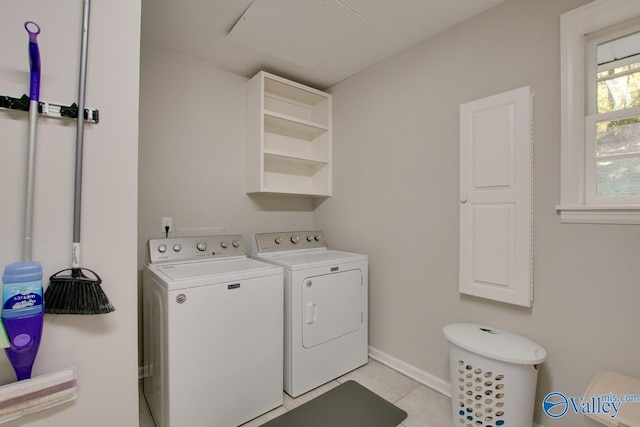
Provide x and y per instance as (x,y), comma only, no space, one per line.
(325,306)
(213,332)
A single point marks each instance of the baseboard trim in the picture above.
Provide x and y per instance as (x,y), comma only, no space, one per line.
(431,381)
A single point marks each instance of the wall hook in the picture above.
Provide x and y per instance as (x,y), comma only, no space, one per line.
(50,109)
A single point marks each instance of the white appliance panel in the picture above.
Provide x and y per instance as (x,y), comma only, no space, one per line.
(154,304)
(325,323)
(308,368)
(332,306)
(310,258)
(213,333)
(202,364)
(223,327)
(203,269)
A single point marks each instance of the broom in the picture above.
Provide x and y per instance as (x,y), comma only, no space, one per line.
(75,293)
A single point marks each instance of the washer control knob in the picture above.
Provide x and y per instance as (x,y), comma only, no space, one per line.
(202,246)
(162,249)
(278,240)
(295,239)
(318,237)
(177,247)
(309,238)
(235,244)
(224,244)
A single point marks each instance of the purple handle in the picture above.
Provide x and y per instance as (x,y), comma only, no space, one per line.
(24,334)
(34,60)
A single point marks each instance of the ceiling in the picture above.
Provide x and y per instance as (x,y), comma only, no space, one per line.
(316,42)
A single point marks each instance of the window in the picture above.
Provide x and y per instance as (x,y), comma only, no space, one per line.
(600,65)
(612,124)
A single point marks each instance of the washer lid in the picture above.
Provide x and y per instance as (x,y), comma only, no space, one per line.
(495,343)
(204,269)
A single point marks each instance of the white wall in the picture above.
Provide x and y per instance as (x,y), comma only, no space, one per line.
(103,348)
(396,169)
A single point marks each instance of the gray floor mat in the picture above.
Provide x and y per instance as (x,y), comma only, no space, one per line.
(348,405)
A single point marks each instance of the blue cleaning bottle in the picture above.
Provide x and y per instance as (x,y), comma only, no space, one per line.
(22,314)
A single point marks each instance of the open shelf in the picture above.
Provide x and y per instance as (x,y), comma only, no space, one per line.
(288,137)
(285,125)
(295,176)
(277,87)
(286,157)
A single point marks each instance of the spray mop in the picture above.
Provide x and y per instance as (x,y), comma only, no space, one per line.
(22,302)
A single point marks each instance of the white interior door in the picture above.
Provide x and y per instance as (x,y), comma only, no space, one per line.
(495,197)
(332,306)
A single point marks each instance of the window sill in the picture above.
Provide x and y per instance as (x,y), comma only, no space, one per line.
(599,214)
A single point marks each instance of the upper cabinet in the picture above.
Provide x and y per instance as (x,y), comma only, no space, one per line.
(288,137)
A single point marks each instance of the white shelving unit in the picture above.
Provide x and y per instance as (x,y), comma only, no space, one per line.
(288,137)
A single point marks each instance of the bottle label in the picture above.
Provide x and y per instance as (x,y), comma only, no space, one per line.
(17,296)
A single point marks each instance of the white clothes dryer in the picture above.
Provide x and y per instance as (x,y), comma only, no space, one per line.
(213,332)
(325,307)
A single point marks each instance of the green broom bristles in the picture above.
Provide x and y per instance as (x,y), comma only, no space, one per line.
(76,294)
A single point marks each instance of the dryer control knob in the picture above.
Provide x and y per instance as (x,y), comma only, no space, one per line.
(235,243)
(202,246)
(309,238)
(278,240)
(295,238)
(318,237)
(177,247)
(162,249)
(224,244)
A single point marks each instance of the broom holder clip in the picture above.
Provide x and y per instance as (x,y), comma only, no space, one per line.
(50,109)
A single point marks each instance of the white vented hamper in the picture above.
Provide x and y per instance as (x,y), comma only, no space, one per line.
(493,376)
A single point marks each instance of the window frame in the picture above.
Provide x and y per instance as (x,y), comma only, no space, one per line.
(575,26)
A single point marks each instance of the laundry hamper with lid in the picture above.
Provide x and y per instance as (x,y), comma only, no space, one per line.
(493,376)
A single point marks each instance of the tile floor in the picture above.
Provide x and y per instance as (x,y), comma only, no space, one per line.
(426,407)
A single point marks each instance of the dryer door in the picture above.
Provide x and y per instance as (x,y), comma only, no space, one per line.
(331,306)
